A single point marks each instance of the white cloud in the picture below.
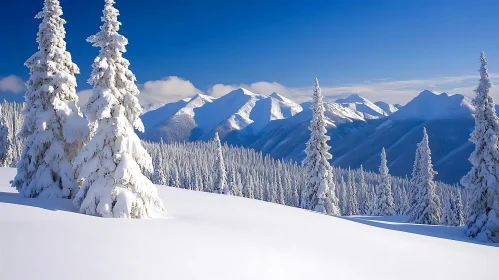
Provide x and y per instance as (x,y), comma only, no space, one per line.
(166,90)
(157,92)
(12,84)
(221,89)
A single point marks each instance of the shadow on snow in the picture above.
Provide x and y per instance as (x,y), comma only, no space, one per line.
(53,204)
(399,223)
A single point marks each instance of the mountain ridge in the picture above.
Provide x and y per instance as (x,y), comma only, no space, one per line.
(358,128)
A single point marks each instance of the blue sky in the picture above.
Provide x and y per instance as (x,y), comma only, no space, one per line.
(384,50)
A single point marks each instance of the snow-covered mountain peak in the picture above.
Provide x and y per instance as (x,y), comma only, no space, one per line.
(363,106)
(279,97)
(428,92)
(430,105)
(354,98)
(241,92)
(387,107)
(202,97)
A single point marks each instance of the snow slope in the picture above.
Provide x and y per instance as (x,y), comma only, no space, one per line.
(174,121)
(210,236)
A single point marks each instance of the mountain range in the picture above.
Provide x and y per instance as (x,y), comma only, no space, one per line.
(358,128)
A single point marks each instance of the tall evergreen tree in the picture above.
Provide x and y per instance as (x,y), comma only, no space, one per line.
(232,183)
(294,195)
(4,140)
(415,182)
(427,208)
(384,202)
(248,188)
(319,192)
(352,203)
(363,193)
(371,201)
(280,190)
(220,174)
(111,163)
(342,196)
(457,206)
(483,178)
(54,128)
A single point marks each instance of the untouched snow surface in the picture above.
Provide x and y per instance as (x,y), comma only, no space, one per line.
(210,236)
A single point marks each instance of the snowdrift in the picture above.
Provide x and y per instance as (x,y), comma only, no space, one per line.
(210,236)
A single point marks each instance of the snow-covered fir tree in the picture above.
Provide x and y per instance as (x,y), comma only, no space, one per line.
(452,214)
(384,201)
(157,166)
(239,185)
(319,192)
(232,184)
(279,189)
(483,178)
(457,208)
(4,141)
(110,164)
(54,128)
(352,203)
(248,190)
(342,196)
(12,120)
(294,195)
(175,178)
(427,208)
(415,182)
(371,203)
(363,197)
(219,173)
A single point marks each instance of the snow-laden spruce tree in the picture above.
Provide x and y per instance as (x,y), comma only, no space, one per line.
(371,193)
(248,188)
(280,191)
(110,164)
(384,201)
(319,191)
(233,185)
(294,194)
(12,120)
(483,178)
(342,195)
(452,213)
(4,141)
(219,173)
(415,182)
(54,129)
(159,175)
(457,208)
(363,193)
(427,208)
(352,202)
